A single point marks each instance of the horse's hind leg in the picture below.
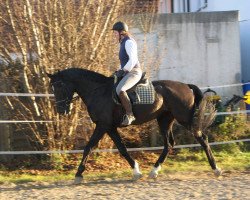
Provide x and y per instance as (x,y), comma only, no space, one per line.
(115,136)
(202,139)
(171,138)
(165,122)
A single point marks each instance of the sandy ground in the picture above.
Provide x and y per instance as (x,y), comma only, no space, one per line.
(192,185)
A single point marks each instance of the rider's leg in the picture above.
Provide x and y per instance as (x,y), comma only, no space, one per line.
(126,83)
(129,117)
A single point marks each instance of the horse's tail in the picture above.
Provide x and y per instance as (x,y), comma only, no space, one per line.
(197,94)
(203,112)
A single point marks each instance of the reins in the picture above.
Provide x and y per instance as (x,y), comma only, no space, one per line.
(67,99)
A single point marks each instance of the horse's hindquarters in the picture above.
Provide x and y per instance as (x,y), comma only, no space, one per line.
(148,112)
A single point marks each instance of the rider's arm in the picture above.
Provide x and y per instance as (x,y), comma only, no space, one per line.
(131,49)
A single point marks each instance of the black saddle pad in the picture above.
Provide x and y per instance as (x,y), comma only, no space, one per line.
(142,93)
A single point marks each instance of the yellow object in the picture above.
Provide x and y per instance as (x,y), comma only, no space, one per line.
(247,97)
(213,98)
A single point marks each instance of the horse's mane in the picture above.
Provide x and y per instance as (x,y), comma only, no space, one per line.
(78,73)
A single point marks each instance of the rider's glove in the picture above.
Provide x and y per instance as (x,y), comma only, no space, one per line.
(120,73)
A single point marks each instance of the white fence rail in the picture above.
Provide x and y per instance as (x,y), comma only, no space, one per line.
(52,95)
(51,121)
(222,86)
(115,150)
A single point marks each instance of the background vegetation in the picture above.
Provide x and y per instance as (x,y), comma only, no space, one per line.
(50,35)
(46,36)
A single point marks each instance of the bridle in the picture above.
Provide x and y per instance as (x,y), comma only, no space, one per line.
(67,100)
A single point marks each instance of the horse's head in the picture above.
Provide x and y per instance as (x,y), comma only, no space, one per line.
(63,91)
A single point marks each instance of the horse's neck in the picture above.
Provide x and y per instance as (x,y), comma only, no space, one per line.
(86,90)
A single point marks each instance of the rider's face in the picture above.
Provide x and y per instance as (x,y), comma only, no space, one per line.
(116,35)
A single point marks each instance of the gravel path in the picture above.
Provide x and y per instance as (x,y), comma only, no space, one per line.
(193,185)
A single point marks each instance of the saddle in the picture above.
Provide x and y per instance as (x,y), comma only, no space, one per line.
(142,93)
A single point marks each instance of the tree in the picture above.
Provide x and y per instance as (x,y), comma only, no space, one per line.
(50,35)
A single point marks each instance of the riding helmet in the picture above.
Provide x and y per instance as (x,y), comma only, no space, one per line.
(120,26)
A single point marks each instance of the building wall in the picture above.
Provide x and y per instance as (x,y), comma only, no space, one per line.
(199,48)
(244,17)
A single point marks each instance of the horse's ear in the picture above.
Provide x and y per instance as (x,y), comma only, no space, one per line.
(49,75)
(59,74)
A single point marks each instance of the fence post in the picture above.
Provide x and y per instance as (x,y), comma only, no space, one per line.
(154,136)
(5,144)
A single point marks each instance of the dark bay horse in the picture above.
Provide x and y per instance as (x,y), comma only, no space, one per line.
(174,101)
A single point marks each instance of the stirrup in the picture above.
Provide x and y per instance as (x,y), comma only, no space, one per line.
(128,119)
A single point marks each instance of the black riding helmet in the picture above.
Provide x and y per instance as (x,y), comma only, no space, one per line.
(120,26)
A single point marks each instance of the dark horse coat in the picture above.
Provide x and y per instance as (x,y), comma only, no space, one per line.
(174,101)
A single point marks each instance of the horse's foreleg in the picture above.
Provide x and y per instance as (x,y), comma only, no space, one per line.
(115,136)
(94,139)
(165,124)
(204,143)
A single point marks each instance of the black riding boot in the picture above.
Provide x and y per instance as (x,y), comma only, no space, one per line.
(129,117)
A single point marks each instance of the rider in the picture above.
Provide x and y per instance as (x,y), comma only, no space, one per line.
(130,69)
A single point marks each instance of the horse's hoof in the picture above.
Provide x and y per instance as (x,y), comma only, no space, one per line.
(137,176)
(217,172)
(153,174)
(78,180)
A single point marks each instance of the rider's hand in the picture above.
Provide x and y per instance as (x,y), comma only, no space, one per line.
(120,73)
